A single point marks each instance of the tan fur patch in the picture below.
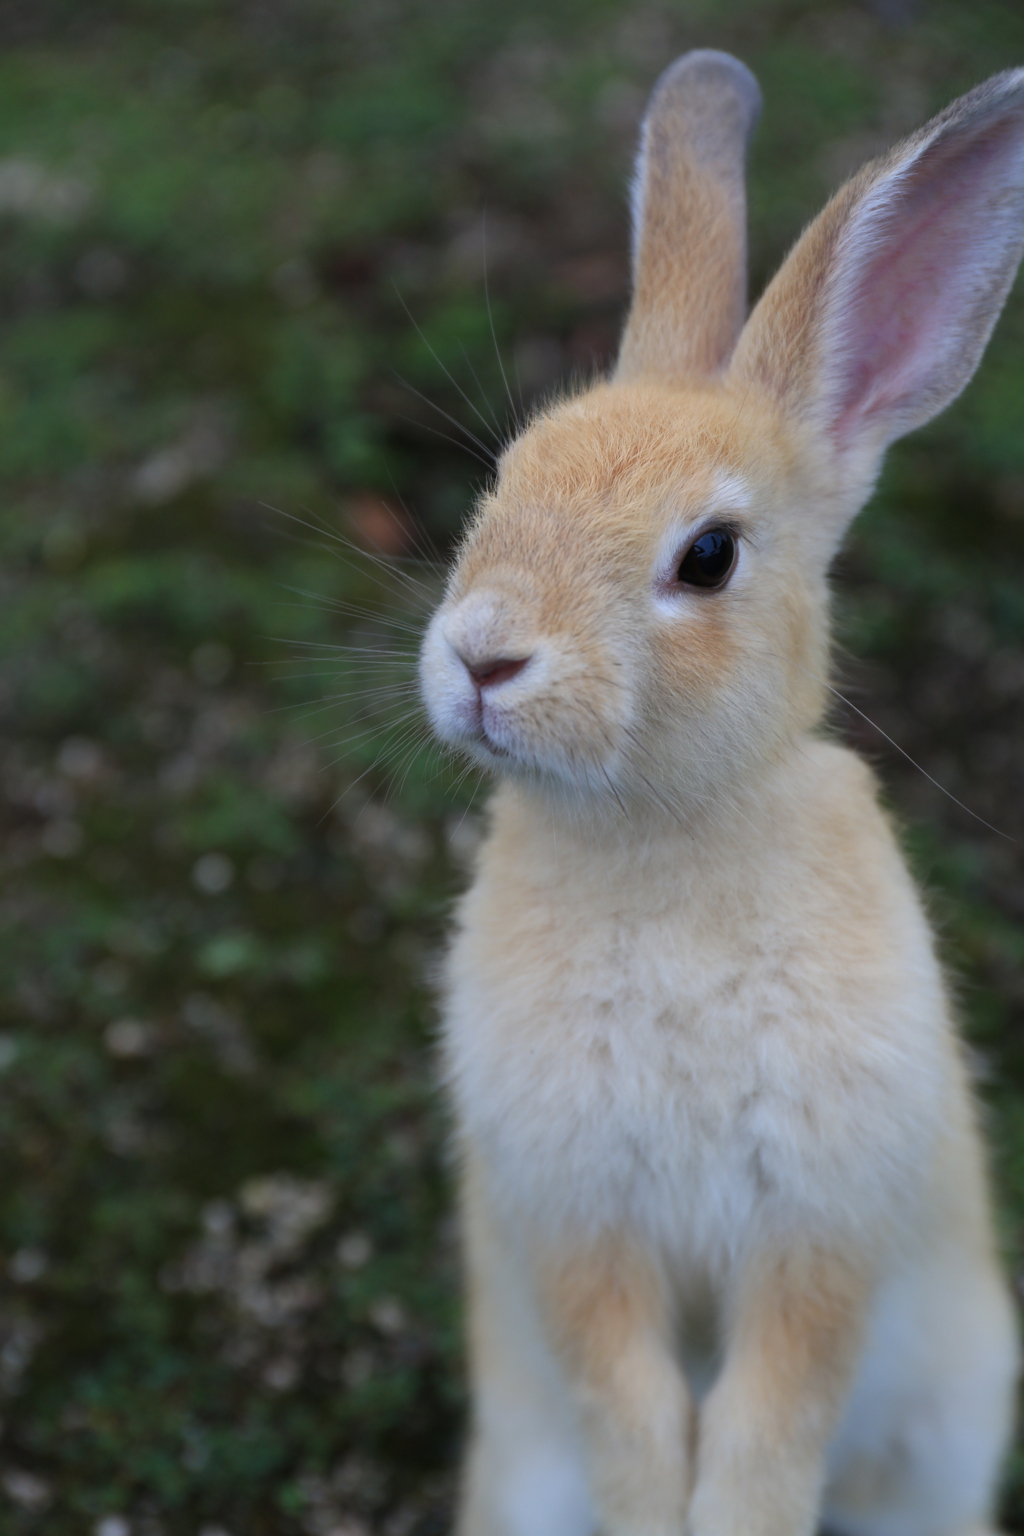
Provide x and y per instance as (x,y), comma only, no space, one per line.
(796,1337)
(596,1304)
(607,1317)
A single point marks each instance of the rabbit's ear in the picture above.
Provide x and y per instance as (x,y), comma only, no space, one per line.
(879,315)
(689,221)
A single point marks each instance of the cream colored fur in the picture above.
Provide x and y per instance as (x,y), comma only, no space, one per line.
(729,1252)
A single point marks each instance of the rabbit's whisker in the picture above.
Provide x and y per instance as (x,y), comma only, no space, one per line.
(611,785)
(499,431)
(913,763)
(469,807)
(446,371)
(427,552)
(330,646)
(655,794)
(490,318)
(390,565)
(364,554)
(488,455)
(395,789)
(383,759)
(353,738)
(378,760)
(331,699)
(368,620)
(336,605)
(327,533)
(446,437)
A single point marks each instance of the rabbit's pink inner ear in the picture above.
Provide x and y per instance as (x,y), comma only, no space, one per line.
(879,315)
(922,271)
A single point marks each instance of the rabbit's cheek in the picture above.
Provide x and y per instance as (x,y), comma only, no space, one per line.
(694,655)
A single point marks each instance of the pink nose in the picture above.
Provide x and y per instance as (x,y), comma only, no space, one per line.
(487,674)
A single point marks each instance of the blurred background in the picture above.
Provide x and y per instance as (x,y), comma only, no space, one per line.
(259,260)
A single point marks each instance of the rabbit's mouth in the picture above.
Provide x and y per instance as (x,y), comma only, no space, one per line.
(493,728)
(487,741)
(494,750)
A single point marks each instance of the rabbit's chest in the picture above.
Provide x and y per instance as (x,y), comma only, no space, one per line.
(637,1076)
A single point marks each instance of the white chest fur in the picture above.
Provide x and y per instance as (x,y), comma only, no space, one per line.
(646,1037)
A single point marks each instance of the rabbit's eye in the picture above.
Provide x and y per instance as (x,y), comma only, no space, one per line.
(709,560)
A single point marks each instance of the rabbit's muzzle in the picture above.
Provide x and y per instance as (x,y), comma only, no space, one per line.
(499,685)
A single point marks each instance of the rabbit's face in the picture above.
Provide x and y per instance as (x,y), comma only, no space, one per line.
(639,611)
(633,615)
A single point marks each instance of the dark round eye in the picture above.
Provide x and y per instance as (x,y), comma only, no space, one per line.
(709,560)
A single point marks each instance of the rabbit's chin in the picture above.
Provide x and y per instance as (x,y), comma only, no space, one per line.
(496,742)
(628,783)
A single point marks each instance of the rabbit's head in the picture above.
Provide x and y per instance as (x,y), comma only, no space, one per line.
(638,615)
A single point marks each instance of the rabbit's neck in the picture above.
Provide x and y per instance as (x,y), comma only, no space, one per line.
(723,826)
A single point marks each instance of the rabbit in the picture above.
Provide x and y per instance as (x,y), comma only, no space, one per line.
(728,1240)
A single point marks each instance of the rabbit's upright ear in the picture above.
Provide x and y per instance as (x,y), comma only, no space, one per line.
(689,221)
(879,315)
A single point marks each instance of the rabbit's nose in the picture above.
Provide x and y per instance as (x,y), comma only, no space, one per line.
(491,637)
(494,670)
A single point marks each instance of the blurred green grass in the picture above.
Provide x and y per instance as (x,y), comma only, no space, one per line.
(228,233)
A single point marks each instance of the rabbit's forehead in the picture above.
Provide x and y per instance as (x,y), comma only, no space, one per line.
(619,451)
(593,491)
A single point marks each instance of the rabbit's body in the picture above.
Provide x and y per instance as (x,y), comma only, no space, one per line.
(729,1246)
(737,1039)
(737,1028)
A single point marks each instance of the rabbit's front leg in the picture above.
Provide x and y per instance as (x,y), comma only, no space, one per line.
(764,1428)
(608,1320)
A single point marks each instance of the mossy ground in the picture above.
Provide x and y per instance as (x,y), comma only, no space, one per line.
(239,240)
